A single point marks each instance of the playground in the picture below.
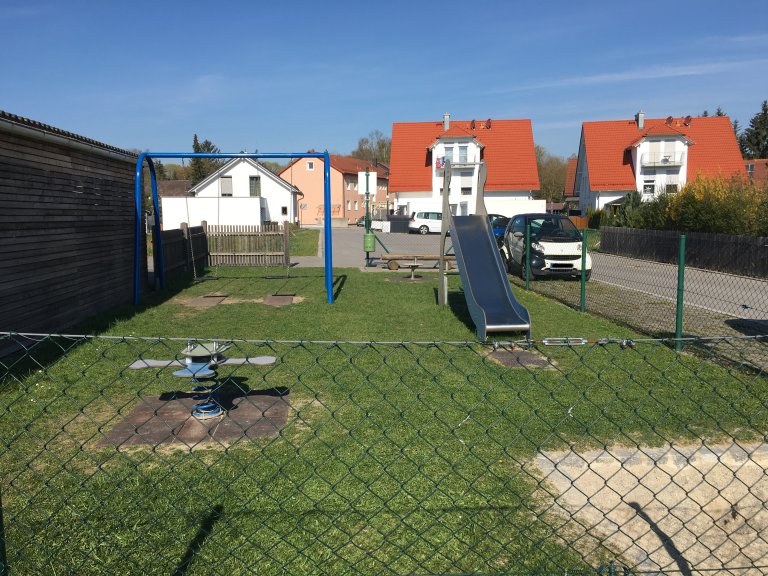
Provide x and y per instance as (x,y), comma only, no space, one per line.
(332,420)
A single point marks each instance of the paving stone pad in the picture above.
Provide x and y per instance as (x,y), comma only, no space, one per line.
(167,420)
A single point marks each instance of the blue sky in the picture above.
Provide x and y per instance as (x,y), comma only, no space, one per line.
(290,76)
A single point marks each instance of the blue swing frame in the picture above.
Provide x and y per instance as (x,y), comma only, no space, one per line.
(157,239)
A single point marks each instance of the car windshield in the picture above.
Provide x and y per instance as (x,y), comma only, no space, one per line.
(553,229)
(500,222)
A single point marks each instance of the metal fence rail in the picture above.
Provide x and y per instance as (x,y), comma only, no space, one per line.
(549,457)
(643,294)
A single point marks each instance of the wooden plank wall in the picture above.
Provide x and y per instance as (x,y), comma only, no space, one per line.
(66,234)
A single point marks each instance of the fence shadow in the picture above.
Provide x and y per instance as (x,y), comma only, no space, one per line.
(206,527)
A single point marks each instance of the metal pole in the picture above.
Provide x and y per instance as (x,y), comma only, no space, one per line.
(158,252)
(583,300)
(367,216)
(528,256)
(680,294)
(328,239)
(137,267)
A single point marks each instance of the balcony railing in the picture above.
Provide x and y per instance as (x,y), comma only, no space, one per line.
(662,159)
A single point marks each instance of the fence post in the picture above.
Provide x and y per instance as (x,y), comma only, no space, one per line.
(680,294)
(4,570)
(189,250)
(583,297)
(527,256)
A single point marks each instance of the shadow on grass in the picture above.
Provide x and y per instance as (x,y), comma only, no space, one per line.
(458,305)
(206,527)
(231,389)
(338,285)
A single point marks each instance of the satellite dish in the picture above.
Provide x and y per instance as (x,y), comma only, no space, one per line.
(472,125)
(668,121)
(687,121)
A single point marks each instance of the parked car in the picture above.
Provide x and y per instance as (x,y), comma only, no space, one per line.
(360,221)
(499,225)
(555,246)
(425,222)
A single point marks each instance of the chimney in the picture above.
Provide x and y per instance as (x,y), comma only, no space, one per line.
(640,118)
(446,121)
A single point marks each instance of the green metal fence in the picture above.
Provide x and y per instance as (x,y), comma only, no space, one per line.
(535,457)
(662,299)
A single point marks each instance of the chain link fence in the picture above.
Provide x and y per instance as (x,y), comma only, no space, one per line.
(648,295)
(534,457)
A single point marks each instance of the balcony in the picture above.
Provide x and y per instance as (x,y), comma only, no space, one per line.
(662,159)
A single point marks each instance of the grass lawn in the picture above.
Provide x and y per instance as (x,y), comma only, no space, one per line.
(304,241)
(407,452)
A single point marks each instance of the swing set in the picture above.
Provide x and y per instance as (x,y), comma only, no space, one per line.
(157,237)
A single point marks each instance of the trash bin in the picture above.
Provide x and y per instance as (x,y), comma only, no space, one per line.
(369,242)
(398,223)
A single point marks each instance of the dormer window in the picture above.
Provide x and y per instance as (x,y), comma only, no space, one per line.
(449,153)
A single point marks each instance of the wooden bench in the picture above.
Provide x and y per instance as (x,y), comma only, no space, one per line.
(415,260)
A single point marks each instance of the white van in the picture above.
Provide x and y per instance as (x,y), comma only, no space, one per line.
(426,222)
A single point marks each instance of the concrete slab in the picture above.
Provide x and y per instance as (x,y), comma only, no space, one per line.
(677,508)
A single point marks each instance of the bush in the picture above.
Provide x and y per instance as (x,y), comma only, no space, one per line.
(597,219)
(719,205)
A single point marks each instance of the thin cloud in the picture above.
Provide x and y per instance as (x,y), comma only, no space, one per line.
(639,74)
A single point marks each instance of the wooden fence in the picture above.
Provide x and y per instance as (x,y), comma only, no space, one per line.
(742,255)
(241,245)
(179,252)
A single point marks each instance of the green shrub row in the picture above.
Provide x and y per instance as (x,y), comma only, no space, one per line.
(715,205)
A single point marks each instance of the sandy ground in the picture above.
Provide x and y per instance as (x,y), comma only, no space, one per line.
(677,508)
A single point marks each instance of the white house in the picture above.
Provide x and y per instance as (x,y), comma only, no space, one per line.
(651,155)
(420,149)
(240,192)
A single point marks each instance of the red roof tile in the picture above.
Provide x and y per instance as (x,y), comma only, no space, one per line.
(713,149)
(350,165)
(508,153)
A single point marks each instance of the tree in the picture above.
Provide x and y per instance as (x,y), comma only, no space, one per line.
(754,139)
(375,147)
(160,171)
(552,170)
(201,168)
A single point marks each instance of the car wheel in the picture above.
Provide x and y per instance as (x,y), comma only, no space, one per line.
(522,268)
(423,230)
(587,275)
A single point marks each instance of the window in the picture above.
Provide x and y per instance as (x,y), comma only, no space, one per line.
(671,188)
(254,184)
(751,171)
(355,204)
(463,154)
(466,190)
(449,153)
(649,186)
(310,165)
(349,204)
(284,210)
(225,185)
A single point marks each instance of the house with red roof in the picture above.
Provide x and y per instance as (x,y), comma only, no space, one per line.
(347,196)
(420,149)
(651,155)
(757,171)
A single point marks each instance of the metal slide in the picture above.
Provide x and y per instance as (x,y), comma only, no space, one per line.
(489,296)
